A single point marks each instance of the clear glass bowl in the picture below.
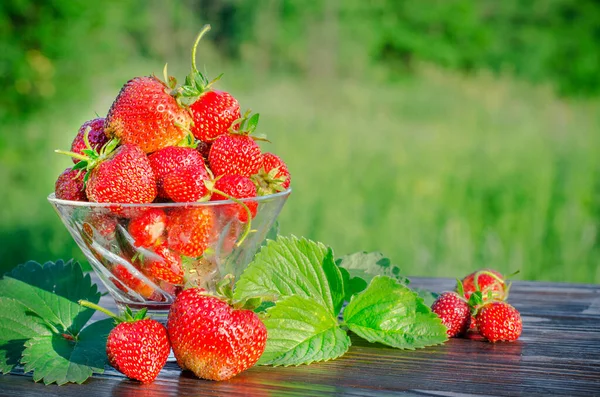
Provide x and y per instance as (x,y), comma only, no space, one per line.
(201,240)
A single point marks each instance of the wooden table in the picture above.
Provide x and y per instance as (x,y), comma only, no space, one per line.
(557,354)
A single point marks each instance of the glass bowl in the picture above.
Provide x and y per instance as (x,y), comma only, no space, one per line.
(145,254)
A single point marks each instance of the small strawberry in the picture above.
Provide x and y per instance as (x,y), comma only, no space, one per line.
(499,321)
(213,111)
(70,185)
(187,184)
(487,280)
(273,177)
(172,158)
(95,136)
(126,278)
(454,312)
(147,228)
(236,153)
(189,230)
(164,265)
(238,187)
(138,346)
(210,338)
(100,225)
(146,114)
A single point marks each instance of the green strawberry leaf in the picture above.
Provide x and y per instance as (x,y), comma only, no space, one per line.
(428,296)
(52,291)
(352,285)
(291,266)
(301,331)
(41,322)
(389,312)
(335,280)
(56,359)
(367,265)
(16,327)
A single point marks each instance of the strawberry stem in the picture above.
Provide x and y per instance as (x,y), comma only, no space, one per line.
(205,29)
(248,224)
(91,305)
(72,154)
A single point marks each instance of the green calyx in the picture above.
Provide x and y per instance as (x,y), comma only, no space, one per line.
(127,317)
(196,83)
(246,125)
(268,182)
(224,290)
(90,157)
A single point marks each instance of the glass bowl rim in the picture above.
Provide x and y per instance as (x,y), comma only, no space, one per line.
(52,198)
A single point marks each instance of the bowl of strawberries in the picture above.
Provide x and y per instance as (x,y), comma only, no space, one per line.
(170,189)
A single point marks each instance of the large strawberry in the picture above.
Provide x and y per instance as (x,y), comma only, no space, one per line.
(499,321)
(273,177)
(190,230)
(454,312)
(213,111)
(172,158)
(236,153)
(70,186)
(239,187)
(93,131)
(210,338)
(147,228)
(138,346)
(146,114)
(187,184)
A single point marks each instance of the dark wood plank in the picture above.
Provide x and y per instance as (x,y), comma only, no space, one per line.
(558,354)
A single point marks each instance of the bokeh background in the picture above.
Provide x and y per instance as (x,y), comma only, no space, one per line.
(448,134)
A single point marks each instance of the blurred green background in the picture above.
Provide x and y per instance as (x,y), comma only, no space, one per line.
(448,134)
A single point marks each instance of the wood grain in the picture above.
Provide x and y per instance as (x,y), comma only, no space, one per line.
(557,354)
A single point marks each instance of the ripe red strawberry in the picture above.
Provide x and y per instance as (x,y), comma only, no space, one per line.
(100,225)
(187,184)
(125,277)
(171,158)
(238,187)
(96,137)
(164,265)
(487,280)
(124,176)
(70,186)
(499,321)
(138,346)
(236,153)
(146,114)
(454,312)
(147,228)
(210,338)
(273,177)
(189,230)
(213,114)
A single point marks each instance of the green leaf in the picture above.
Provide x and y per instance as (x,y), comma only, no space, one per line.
(391,313)
(55,359)
(253,122)
(52,291)
(289,266)
(335,280)
(302,331)
(428,296)
(367,265)
(16,327)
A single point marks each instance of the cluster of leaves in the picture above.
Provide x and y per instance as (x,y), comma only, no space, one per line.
(42,324)
(311,289)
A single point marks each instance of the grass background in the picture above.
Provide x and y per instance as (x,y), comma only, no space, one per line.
(442,171)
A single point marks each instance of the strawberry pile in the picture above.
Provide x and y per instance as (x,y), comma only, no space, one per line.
(164,142)
(478,308)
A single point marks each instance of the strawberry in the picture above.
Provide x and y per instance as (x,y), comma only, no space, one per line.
(187,184)
(125,176)
(70,186)
(454,312)
(210,338)
(95,135)
(100,225)
(273,177)
(499,321)
(213,114)
(164,265)
(171,158)
(137,346)
(126,278)
(146,114)
(147,228)
(236,153)
(238,187)
(487,280)
(189,230)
